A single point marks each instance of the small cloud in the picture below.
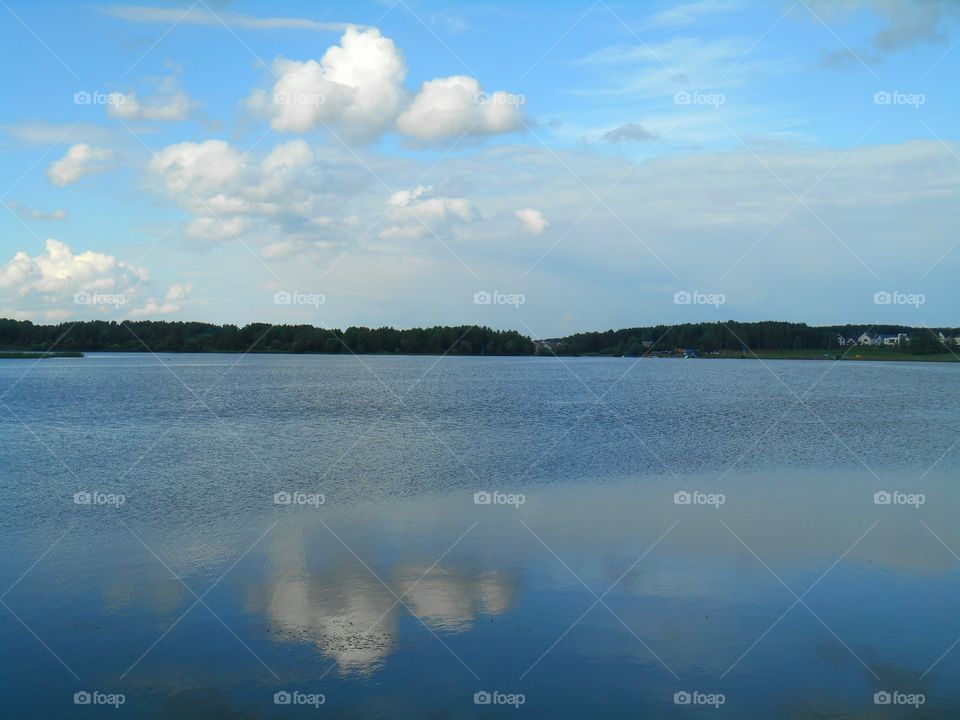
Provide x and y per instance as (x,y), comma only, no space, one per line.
(278,249)
(431,213)
(170,304)
(692,13)
(453,106)
(177,292)
(170,104)
(630,132)
(533,220)
(28,213)
(81,160)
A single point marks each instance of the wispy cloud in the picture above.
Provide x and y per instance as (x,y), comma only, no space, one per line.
(694,12)
(204,16)
(29,213)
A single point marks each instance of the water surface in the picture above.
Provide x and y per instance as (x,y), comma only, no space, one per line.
(400,597)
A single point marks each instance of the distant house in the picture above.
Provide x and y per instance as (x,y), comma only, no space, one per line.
(882,339)
(546,345)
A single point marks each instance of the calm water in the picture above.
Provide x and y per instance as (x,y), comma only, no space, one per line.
(399,596)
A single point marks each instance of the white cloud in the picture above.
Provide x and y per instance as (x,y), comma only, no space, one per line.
(170,104)
(170,304)
(288,156)
(429,213)
(59,272)
(278,249)
(28,213)
(452,106)
(81,160)
(177,292)
(533,220)
(357,86)
(218,228)
(197,167)
(357,89)
(289,192)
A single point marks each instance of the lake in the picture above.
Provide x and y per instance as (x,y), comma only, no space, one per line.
(224,536)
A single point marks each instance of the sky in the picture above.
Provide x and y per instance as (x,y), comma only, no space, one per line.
(545,167)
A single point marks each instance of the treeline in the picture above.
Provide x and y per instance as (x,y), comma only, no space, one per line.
(738,337)
(162,336)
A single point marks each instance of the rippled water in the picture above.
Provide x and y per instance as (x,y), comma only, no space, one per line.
(400,597)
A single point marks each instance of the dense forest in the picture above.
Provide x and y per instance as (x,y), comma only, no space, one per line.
(161,336)
(705,338)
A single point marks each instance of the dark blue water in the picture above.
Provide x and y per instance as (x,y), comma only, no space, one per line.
(782,589)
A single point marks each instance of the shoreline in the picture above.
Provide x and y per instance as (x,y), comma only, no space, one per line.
(822,356)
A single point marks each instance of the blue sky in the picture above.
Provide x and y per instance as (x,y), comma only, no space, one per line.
(177,161)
